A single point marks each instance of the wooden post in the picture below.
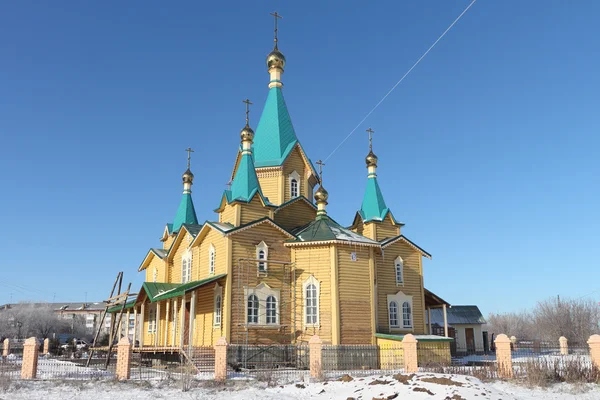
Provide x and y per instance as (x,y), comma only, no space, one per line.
(182,322)
(564,346)
(30,359)
(192,319)
(503,356)
(128,315)
(135,325)
(221,360)
(166,338)
(429,319)
(316,357)
(409,344)
(175,322)
(445,320)
(142,316)
(157,330)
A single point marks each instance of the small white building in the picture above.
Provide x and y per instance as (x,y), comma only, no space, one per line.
(465,326)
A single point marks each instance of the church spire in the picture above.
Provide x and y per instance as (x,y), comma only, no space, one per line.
(321,195)
(275,59)
(186,213)
(373,206)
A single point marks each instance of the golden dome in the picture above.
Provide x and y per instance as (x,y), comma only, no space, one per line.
(247,133)
(321,195)
(188,177)
(371,159)
(275,59)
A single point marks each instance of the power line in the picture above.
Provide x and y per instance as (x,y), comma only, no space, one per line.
(401,79)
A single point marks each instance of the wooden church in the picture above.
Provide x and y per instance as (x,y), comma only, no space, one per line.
(274,267)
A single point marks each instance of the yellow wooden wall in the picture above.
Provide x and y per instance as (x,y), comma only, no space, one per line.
(245,274)
(314,260)
(167,243)
(386,229)
(413,285)
(228,214)
(200,263)
(295,162)
(177,252)
(253,210)
(354,294)
(160,268)
(270,184)
(295,215)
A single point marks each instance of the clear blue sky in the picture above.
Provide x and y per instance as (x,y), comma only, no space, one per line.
(489,150)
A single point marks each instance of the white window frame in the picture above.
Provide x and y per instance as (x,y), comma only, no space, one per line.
(311,281)
(270,300)
(255,301)
(262,292)
(152,319)
(391,320)
(262,246)
(400,298)
(294,176)
(399,271)
(218,302)
(408,305)
(212,259)
(186,266)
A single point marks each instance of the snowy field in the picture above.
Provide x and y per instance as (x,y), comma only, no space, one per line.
(388,387)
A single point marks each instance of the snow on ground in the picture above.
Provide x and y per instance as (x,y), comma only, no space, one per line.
(411,387)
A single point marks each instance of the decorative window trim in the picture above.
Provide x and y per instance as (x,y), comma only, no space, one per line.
(262,292)
(294,176)
(391,320)
(400,298)
(212,259)
(407,306)
(399,271)
(152,319)
(218,303)
(186,266)
(311,280)
(262,266)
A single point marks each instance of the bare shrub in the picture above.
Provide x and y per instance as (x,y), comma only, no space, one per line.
(575,319)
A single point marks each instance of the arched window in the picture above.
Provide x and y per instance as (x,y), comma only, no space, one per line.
(271,310)
(406,315)
(252,309)
(311,304)
(399,264)
(217,321)
(262,253)
(294,181)
(393,314)
(186,267)
(211,260)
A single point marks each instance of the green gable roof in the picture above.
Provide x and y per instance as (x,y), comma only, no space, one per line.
(157,291)
(186,214)
(275,137)
(373,206)
(325,229)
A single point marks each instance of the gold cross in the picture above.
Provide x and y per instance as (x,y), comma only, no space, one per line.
(320,164)
(248,103)
(276,16)
(371,132)
(189,151)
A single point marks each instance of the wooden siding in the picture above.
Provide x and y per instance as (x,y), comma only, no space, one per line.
(370,230)
(314,261)
(355,296)
(294,215)
(228,214)
(200,258)
(245,274)
(167,243)
(175,264)
(205,333)
(413,286)
(295,162)
(253,210)
(159,264)
(269,184)
(386,229)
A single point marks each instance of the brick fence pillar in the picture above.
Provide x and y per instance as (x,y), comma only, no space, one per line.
(221,360)
(6,348)
(409,344)
(124,353)
(315,345)
(594,342)
(46,346)
(503,356)
(564,346)
(30,358)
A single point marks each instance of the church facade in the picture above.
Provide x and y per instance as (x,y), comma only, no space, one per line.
(273,266)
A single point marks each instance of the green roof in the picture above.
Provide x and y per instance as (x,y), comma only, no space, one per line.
(420,338)
(275,137)
(324,228)
(245,183)
(157,291)
(373,206)
(186,214)
(117,308)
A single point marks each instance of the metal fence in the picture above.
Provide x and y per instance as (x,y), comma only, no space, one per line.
(68,367)
(270,363)
(361,359)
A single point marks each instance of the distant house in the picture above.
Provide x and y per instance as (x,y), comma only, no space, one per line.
(465,325)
